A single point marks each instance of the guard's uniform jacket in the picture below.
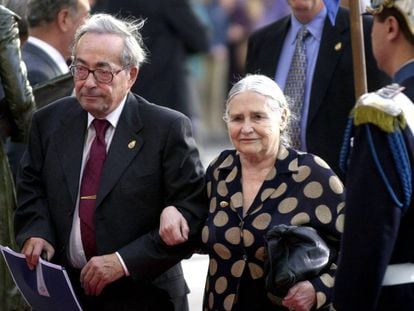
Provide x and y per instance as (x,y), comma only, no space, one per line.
(376,267)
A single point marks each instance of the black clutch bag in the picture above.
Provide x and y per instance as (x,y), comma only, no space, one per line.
(292,254)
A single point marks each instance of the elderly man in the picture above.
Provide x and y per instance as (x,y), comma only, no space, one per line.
(97,174)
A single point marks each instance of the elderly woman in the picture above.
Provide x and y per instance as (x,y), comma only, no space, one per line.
(260,184)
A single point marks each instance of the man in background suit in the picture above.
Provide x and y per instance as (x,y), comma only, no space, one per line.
(329,90)
(172,33)
(151,162)
(52,26)
(375,269)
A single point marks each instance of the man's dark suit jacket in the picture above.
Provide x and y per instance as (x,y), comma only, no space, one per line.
(40,66)
(152,162)
(171,33)
(332,93)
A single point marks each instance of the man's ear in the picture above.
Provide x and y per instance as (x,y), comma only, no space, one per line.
(64,20)
(392,28)
(133,74)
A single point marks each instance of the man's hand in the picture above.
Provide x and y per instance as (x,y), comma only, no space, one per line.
(301,297)
(99,272)
(173,226)
(33,248)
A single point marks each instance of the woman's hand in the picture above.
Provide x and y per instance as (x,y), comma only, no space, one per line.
(300,297)
(173,226)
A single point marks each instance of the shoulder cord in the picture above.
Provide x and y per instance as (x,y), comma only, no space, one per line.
(400,156)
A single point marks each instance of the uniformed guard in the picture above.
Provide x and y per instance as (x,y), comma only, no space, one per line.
(376,266)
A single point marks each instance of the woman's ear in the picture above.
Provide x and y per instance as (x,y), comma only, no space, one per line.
(284,116)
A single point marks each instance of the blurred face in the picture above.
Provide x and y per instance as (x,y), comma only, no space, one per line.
(75,19)
(102,51)
(253,127)
(305,10)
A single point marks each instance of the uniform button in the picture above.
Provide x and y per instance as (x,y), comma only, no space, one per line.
(245,257)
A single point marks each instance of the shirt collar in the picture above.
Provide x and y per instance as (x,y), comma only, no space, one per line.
(113,117)
(315,26)
(405,71)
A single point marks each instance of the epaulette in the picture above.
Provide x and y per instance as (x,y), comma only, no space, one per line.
(381,108)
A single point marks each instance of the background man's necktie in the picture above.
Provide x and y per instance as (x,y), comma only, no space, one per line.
(295,86)
(89,187)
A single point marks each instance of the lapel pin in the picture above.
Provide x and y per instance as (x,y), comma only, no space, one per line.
(224,204)
(131,144)
(338,46)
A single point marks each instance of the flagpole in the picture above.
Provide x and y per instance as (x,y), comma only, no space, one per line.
(358,50)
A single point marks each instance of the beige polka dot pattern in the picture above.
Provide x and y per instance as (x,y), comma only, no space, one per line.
(340,223)
(340,207)
(237,268)
(228,302)
(222,251)
(232,175)
(221,285)
(323,213)
(204,234)
(327,280)
(293,166)
(212,268)
(237,199)
(248,238)
(293,192)
(232,235)
(266,193)
(222,188)
(303,173)
(313,190)
(221,219)
(321,162)
(300,219)
(255,271)
(262,221)
(208,187)
(336,185)
(283,153)
(213,204)
(287,205)
(279,191)
(320,299)
(211,300)
(260,253)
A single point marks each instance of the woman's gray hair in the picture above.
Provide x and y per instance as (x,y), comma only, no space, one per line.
(275,99)
(133,53)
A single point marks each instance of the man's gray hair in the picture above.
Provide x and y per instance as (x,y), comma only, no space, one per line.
(45,11)
(275,99)
(133,53)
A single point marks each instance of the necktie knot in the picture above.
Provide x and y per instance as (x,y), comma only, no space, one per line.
(100,125)
(303,33)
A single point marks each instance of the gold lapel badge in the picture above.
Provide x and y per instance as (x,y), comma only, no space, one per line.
(338,46)
(132,144)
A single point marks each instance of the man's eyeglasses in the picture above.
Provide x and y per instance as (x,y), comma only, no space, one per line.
(80,72)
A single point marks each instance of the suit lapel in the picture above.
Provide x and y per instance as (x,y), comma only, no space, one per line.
(125,145)
(330,51)
(274,43)
(69,141)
